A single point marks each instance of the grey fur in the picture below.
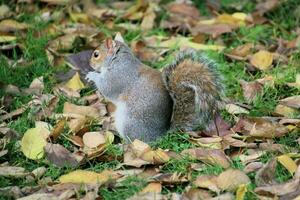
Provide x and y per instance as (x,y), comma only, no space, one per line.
(148,107)
(151,102)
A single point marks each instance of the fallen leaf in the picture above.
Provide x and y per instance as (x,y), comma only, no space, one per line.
(93,139)
(88,111)
(262,60)
(212,29)
(149,18)
(207,182)
(210,156)
(10,25)
(15,172)
(186,42)
(75,83)
(253,167)
(58,129)
(152,187)
(282,188)
(235,109)
(60,156)
(33,143)
(82,176)
(251,90)
(226,181)
(288,163)
(293,102)
(260,127)
(170,178)
(286,111)
(241,192)
(265,175)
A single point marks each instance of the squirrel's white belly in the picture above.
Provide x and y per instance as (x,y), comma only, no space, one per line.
(120,117)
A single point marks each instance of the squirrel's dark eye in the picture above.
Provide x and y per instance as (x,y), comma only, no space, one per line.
(96,54)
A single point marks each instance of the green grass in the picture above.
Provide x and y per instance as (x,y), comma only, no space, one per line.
(232,72)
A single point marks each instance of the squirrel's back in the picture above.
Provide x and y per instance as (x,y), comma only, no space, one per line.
(195,88)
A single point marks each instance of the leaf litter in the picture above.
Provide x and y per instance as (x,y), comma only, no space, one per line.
(74,128)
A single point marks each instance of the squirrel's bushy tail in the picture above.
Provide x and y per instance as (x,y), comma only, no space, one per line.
(196,90)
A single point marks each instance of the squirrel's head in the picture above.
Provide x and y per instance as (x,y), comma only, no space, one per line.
(103,56)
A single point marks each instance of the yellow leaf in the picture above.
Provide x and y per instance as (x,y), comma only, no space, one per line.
(33,143)
(7,38)
(241,191)
(239,15)
(288,163)
(262,60)
(82,176)
(152,187)
(229,19)
(75,83)
(185,42)
(109,137)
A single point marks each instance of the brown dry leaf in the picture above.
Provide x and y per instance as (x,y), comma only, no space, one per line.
(231,179)
(10,25)
(260,127)
(149,17)
(64,42)
(286,111)
(56,2)
(212,29)
(210,156)
(148,196)
(235,109)
(63,90)
(76,140)
(60,156)
(14,172)
(265,6)
(170,178)
(87,111)
(280,189)
(208,142)
(36,86)
(196,194)
(12,114)
(82,176)
(207,182)
(58,129)
(288,163)
(262,60)
(139,153)
(293,102)
(251,90)
(225,196)
(156,156)
(265,175)
(184,10)
(93,139)
(77,124)
(253,167)
(241,52)
(152,187)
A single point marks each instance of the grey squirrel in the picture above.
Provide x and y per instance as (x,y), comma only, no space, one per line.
(184,96)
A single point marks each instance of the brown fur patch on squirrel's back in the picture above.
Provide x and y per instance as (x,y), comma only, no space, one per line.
(195,88)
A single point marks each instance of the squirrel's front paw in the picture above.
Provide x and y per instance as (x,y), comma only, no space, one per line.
(91,76)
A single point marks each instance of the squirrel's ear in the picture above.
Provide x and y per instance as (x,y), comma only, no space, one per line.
(111,45)
(119,37)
